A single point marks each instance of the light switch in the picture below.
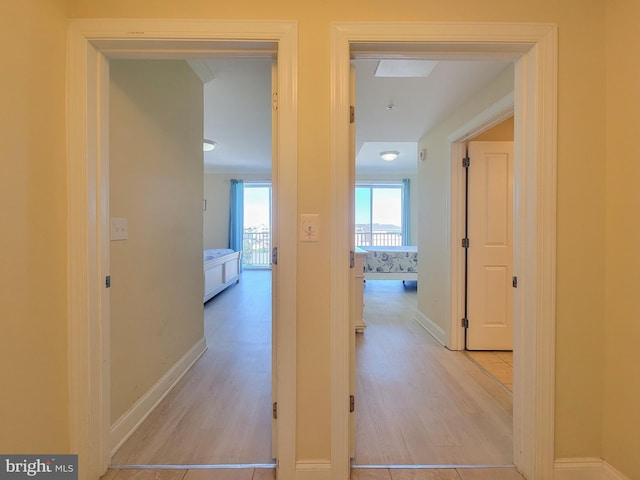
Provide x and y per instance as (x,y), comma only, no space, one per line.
(119,229)
(309,227)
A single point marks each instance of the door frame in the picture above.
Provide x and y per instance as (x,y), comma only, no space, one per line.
(454,338)
(89,43)
(533,48)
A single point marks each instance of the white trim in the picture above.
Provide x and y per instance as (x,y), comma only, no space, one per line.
(435,330)
(313,470)
(456,150)
(534,47)
(586,469)
(489,117)
(88,361)
(122,429)
(202,69)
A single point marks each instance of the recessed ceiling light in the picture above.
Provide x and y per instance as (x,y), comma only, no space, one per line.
(389,156)
(208,145)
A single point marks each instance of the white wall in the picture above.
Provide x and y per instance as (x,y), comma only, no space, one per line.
(156,183)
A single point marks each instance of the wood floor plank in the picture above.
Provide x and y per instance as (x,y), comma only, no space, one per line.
(219,474)
(489,474)
(151,474)
(424,474)
(264,474)
(370,474)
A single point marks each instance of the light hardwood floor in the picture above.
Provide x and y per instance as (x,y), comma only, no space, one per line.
(220,411)
(356,474)
(417,402)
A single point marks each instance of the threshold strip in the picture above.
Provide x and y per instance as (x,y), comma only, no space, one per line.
(412,466)
(194,467)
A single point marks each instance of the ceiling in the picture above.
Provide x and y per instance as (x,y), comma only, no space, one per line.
(392,112)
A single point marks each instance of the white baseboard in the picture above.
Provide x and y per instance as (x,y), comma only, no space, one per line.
(585,469)
(124,427)
(313,470)
(430,326)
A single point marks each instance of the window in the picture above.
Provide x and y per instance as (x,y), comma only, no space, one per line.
(379,215)
(257,225)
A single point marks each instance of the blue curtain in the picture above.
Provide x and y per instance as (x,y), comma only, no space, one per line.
(236,214)
(406,212)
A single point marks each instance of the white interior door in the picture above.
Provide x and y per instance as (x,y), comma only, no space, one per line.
(490,252)
(352,246)
(274,269)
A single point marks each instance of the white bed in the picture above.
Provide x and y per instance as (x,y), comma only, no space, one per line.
(221,269)
(391,263)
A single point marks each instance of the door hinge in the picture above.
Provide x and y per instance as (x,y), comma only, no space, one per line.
(514,282)
(275,410)
(274,256)
(352,259)
(352,114)
(274,100)
(465,323)
(352,403)
(107,281)
(465,243)
(466,162)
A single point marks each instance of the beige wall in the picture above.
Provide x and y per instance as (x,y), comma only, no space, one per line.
(622,311)
(216,217)
(501,132)
(156,183)
(434,299)
(591,177)
(33,211)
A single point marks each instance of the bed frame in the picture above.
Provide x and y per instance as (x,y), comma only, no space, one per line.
(221,272)
(391,275)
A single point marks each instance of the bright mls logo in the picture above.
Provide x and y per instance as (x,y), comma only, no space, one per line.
(44,467)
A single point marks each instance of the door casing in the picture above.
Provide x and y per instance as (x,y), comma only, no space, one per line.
(90,43)
(533,48)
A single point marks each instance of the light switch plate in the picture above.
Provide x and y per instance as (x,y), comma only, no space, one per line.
(119,230)
(309,227)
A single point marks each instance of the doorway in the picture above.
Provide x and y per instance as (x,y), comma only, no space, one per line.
(405,407)
(533,49)
(156,179)
(91,45)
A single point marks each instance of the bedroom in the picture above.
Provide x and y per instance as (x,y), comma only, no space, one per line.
(217,189)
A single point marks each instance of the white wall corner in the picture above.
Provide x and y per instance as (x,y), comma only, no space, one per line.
(124,427)
(435,330)
(313,470)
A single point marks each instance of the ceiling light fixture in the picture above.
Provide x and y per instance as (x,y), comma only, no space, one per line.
(208,145)
(389,156)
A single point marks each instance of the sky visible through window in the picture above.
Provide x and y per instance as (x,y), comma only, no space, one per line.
(257,207)
(386,205)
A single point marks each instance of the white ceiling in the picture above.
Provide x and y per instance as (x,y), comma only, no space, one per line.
(238,111)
